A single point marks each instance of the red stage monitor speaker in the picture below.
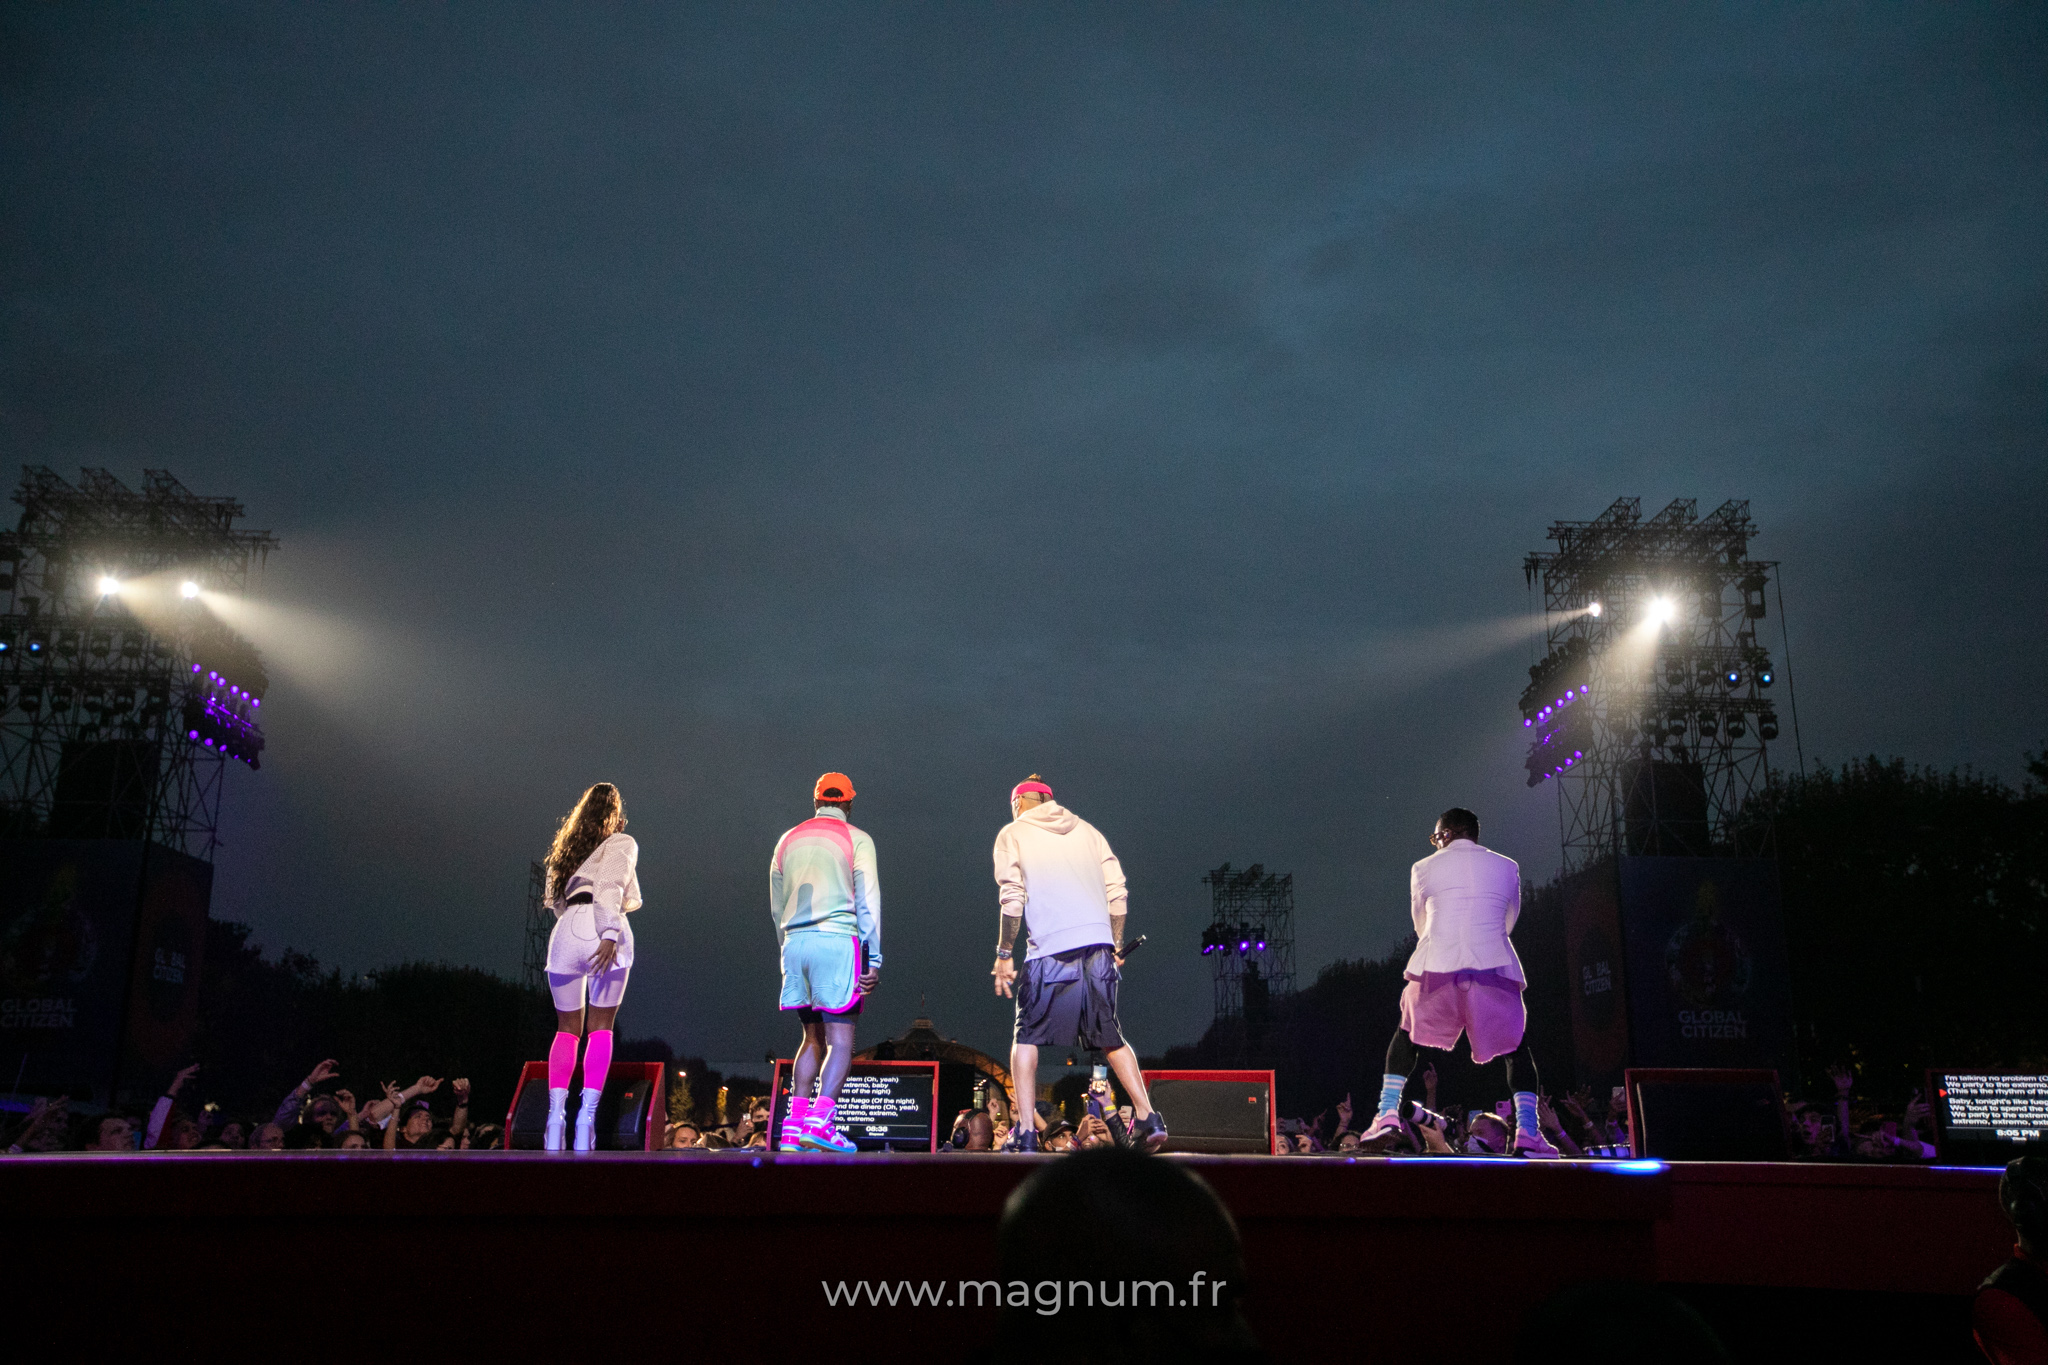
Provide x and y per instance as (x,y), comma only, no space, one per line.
(632,1115)
(1215,1111)
(1707,1114)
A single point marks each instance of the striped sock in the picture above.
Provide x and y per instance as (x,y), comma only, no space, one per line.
(1391,1087)
(1525,1112)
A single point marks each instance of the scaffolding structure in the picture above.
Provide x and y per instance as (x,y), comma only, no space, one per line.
(1653,710)
(117,718)
(1251,937)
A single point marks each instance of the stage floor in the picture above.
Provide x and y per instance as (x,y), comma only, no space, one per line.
(1337,1248)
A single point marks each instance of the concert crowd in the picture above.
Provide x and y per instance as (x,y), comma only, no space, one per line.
(432,1114)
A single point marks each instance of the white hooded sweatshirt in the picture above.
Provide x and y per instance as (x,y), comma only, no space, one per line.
(1057,871)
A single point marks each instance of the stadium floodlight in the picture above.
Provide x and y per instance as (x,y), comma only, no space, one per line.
(1594,609)
(188,589)
(109,585)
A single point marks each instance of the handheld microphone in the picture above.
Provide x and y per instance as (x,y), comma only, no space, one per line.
(1132,947)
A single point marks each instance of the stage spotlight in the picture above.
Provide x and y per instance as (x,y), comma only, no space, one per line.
(188,589)
(1663,610)
(1594,609)
(1767,727)
(1733,677)
(1764,677)
(109,585)
(1261,945)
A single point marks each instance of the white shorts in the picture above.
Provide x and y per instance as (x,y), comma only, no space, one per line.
(570,948)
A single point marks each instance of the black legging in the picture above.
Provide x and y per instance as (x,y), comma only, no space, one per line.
(1401,1062)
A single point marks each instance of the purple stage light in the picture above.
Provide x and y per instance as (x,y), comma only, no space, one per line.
(1577,754)
(193,734)
(195,668)
(1585,689)
(1527,723)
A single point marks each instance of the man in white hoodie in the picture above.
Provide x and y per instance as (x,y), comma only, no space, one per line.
(1064,890)
(1464,976)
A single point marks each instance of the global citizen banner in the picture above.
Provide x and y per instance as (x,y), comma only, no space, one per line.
(1708,979)
(95,934)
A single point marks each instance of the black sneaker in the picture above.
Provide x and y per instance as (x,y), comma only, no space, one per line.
(1148,1134)
(1022,1138)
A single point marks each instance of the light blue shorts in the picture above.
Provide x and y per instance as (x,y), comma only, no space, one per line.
(821,972)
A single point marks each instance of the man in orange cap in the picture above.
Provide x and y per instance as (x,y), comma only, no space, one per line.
(827,905)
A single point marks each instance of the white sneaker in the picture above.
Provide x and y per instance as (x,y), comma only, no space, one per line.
(551,1136)
(1382,1133)
(586,1121)
(1530,1143)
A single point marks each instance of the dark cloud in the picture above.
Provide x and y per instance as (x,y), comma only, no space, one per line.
(1159,400)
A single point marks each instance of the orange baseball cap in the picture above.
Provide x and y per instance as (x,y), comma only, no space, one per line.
(833,787)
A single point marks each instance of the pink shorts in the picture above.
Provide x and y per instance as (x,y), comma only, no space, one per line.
(1484,1006)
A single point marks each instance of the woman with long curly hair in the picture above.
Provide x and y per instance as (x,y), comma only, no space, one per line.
(592,885)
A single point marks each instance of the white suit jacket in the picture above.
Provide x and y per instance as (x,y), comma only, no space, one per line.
(1465,900)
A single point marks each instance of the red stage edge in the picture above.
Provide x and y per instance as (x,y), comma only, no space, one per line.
(1340,1251)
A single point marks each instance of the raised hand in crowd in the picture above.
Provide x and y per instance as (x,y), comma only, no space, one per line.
(1344,1113)
(1546,1119)
(1093,1132)
(395,1098)
(427,1085)
(44,1131)
(178,1081)
(1428,1128)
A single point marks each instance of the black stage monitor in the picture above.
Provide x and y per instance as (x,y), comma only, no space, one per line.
(883,1106)
(1707,1114)
(1988,1118)
(631,1113)
(1225,1112)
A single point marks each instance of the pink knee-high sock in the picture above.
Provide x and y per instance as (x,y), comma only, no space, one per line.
(562,1060)
(597,1058)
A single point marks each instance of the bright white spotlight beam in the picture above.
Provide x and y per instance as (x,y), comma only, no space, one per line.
(109,585)
(188,589)
(1662,610)
(1594,609)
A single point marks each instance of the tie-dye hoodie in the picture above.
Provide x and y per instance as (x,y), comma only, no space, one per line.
(822,880)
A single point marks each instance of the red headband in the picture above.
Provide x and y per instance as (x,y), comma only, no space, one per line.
(1023,787)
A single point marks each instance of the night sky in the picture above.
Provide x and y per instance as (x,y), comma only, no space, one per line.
(1160,398)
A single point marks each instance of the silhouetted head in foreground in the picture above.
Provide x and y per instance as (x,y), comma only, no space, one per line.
(1638,1323)
(1113,1255)
(2023,1194)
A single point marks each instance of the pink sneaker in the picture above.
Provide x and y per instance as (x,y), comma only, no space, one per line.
(1530,1143)
(795,1126)
(1381,1135)
(821,1134)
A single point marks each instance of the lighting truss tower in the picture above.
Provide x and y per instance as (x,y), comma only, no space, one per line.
(119,709)
(1251,938)
(1653,710)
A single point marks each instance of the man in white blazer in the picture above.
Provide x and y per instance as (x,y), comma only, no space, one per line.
(1464,976)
